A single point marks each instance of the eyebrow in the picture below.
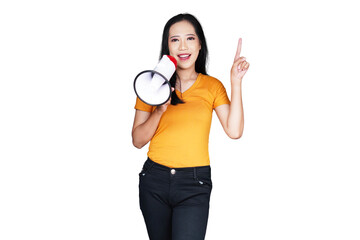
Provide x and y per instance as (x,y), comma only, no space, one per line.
(190,34)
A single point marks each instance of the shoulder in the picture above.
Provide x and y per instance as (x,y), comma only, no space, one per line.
(209,79)
(212,83)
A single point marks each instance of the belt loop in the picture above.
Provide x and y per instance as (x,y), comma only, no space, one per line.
(195,177)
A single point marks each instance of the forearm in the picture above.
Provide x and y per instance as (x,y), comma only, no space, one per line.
(143,133)
(234,114)
(235,122)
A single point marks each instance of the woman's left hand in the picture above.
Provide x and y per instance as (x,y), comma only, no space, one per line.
(240,65)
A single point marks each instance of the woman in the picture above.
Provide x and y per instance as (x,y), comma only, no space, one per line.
(175,183)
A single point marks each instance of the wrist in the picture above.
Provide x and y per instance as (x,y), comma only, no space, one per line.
(236,83)
(158,111)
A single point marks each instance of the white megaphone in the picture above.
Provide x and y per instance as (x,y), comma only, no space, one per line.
(153,86)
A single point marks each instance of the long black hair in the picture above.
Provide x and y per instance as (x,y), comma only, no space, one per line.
(201,61)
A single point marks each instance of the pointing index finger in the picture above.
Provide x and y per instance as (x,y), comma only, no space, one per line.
(238,51)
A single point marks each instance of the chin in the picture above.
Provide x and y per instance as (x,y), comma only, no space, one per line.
(186,66)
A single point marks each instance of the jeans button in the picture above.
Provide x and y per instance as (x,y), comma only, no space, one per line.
(173,171)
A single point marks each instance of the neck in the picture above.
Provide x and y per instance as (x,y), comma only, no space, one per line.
(186,74)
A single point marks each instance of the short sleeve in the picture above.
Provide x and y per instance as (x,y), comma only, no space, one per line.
(221,96)
(140,105)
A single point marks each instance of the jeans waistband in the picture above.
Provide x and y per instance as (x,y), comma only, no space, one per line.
(149,164)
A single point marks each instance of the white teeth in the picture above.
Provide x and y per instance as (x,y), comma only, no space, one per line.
(184,55)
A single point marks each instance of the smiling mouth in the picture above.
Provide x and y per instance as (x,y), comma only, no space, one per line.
(184,57)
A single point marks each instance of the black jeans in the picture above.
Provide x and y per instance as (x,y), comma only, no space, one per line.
(175,202)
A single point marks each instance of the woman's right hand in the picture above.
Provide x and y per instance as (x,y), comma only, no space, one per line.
(162,108)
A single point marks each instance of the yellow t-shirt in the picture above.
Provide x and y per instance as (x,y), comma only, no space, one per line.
(182,137)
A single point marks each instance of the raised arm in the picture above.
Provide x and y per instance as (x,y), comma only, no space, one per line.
(232,116)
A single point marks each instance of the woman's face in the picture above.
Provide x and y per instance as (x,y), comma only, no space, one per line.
(184,44)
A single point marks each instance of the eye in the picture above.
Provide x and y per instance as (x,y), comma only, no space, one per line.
(174,40)
(191,38)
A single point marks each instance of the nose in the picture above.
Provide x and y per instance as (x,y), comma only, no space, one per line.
(183,45)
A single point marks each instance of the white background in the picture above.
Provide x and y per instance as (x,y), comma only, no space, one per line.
(68,169)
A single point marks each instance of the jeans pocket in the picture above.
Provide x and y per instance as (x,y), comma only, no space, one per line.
(204,181)
(142,172)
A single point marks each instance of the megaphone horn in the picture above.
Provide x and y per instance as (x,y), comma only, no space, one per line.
(153,86)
